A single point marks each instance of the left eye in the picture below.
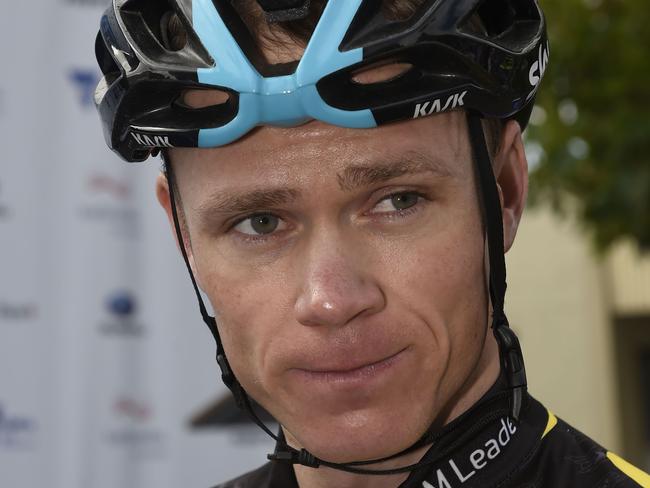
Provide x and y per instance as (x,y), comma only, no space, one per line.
(397,202)
(259,225)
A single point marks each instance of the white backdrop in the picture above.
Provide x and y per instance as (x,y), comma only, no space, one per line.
(104,360)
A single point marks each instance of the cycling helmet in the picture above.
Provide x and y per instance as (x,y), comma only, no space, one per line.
(495,72)
(490,72)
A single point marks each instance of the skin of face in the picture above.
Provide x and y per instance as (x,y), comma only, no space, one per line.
(346,279)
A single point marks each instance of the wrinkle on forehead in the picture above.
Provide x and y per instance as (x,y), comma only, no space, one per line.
(316,149)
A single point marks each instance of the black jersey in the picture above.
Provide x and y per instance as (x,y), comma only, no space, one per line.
(484,448)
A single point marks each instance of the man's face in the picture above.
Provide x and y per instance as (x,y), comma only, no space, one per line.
(346,271)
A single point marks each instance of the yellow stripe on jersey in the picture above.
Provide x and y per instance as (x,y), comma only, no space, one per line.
(633,472)
(552,422)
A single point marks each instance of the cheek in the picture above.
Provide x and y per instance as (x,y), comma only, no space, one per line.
(439,277)
(249,309)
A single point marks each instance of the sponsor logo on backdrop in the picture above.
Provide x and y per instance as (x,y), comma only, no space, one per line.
(17,312)
(4,208)
(133,430)
(17,431)
(84,81)
(109,202)
(225,415)
(121,307)
(100,184)
(88,3)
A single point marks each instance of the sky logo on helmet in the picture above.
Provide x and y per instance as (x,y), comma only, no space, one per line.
(435,106)
(151,141)
(539,67)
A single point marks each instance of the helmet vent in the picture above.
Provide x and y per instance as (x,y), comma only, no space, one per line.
(107,63)
(509,23)
(163,34)
(494,17)
(381,72)
(173,32)
(151,12)
(203,98)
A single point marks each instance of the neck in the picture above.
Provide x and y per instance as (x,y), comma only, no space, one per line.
(483,376)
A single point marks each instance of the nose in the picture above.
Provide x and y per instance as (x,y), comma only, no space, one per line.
(336,287)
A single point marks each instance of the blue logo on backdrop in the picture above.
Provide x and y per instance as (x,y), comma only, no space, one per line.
(85,81)
(16,432)
(122,308)
(121,304)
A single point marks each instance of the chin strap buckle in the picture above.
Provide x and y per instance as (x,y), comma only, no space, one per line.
(293,456)
(512,363)
(228,378)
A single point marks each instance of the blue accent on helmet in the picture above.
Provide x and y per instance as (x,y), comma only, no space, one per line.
(282,100)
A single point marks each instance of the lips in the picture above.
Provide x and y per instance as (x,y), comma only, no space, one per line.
(348,371)
(347,366)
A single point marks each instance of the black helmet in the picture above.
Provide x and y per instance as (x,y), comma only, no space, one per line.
(494,70)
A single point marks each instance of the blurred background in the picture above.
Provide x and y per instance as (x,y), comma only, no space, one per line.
(107,376)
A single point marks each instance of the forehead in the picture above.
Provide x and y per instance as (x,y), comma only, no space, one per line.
(317,150)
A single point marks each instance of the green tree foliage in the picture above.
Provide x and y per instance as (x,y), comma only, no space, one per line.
(593,118)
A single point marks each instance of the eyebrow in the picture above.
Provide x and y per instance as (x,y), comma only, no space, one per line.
(352,178)
(410,162)
(228,203)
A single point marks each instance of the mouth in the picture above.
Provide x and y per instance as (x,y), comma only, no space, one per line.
(354,375)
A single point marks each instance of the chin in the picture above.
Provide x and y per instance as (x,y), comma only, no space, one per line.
(359,435)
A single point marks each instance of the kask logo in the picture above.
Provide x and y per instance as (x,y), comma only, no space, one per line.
(85,81)
(151,141)
(16,431)
(122,308)
(435,106)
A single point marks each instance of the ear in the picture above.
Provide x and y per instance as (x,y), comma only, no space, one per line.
(511,173)
(162,193)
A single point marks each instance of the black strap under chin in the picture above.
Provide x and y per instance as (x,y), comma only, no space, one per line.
(510,352)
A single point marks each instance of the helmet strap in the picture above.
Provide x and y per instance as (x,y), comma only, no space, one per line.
(227,376)
(511,357)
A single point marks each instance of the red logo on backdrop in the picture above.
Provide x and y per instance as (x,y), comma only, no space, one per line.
(132,409)
(102,183)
